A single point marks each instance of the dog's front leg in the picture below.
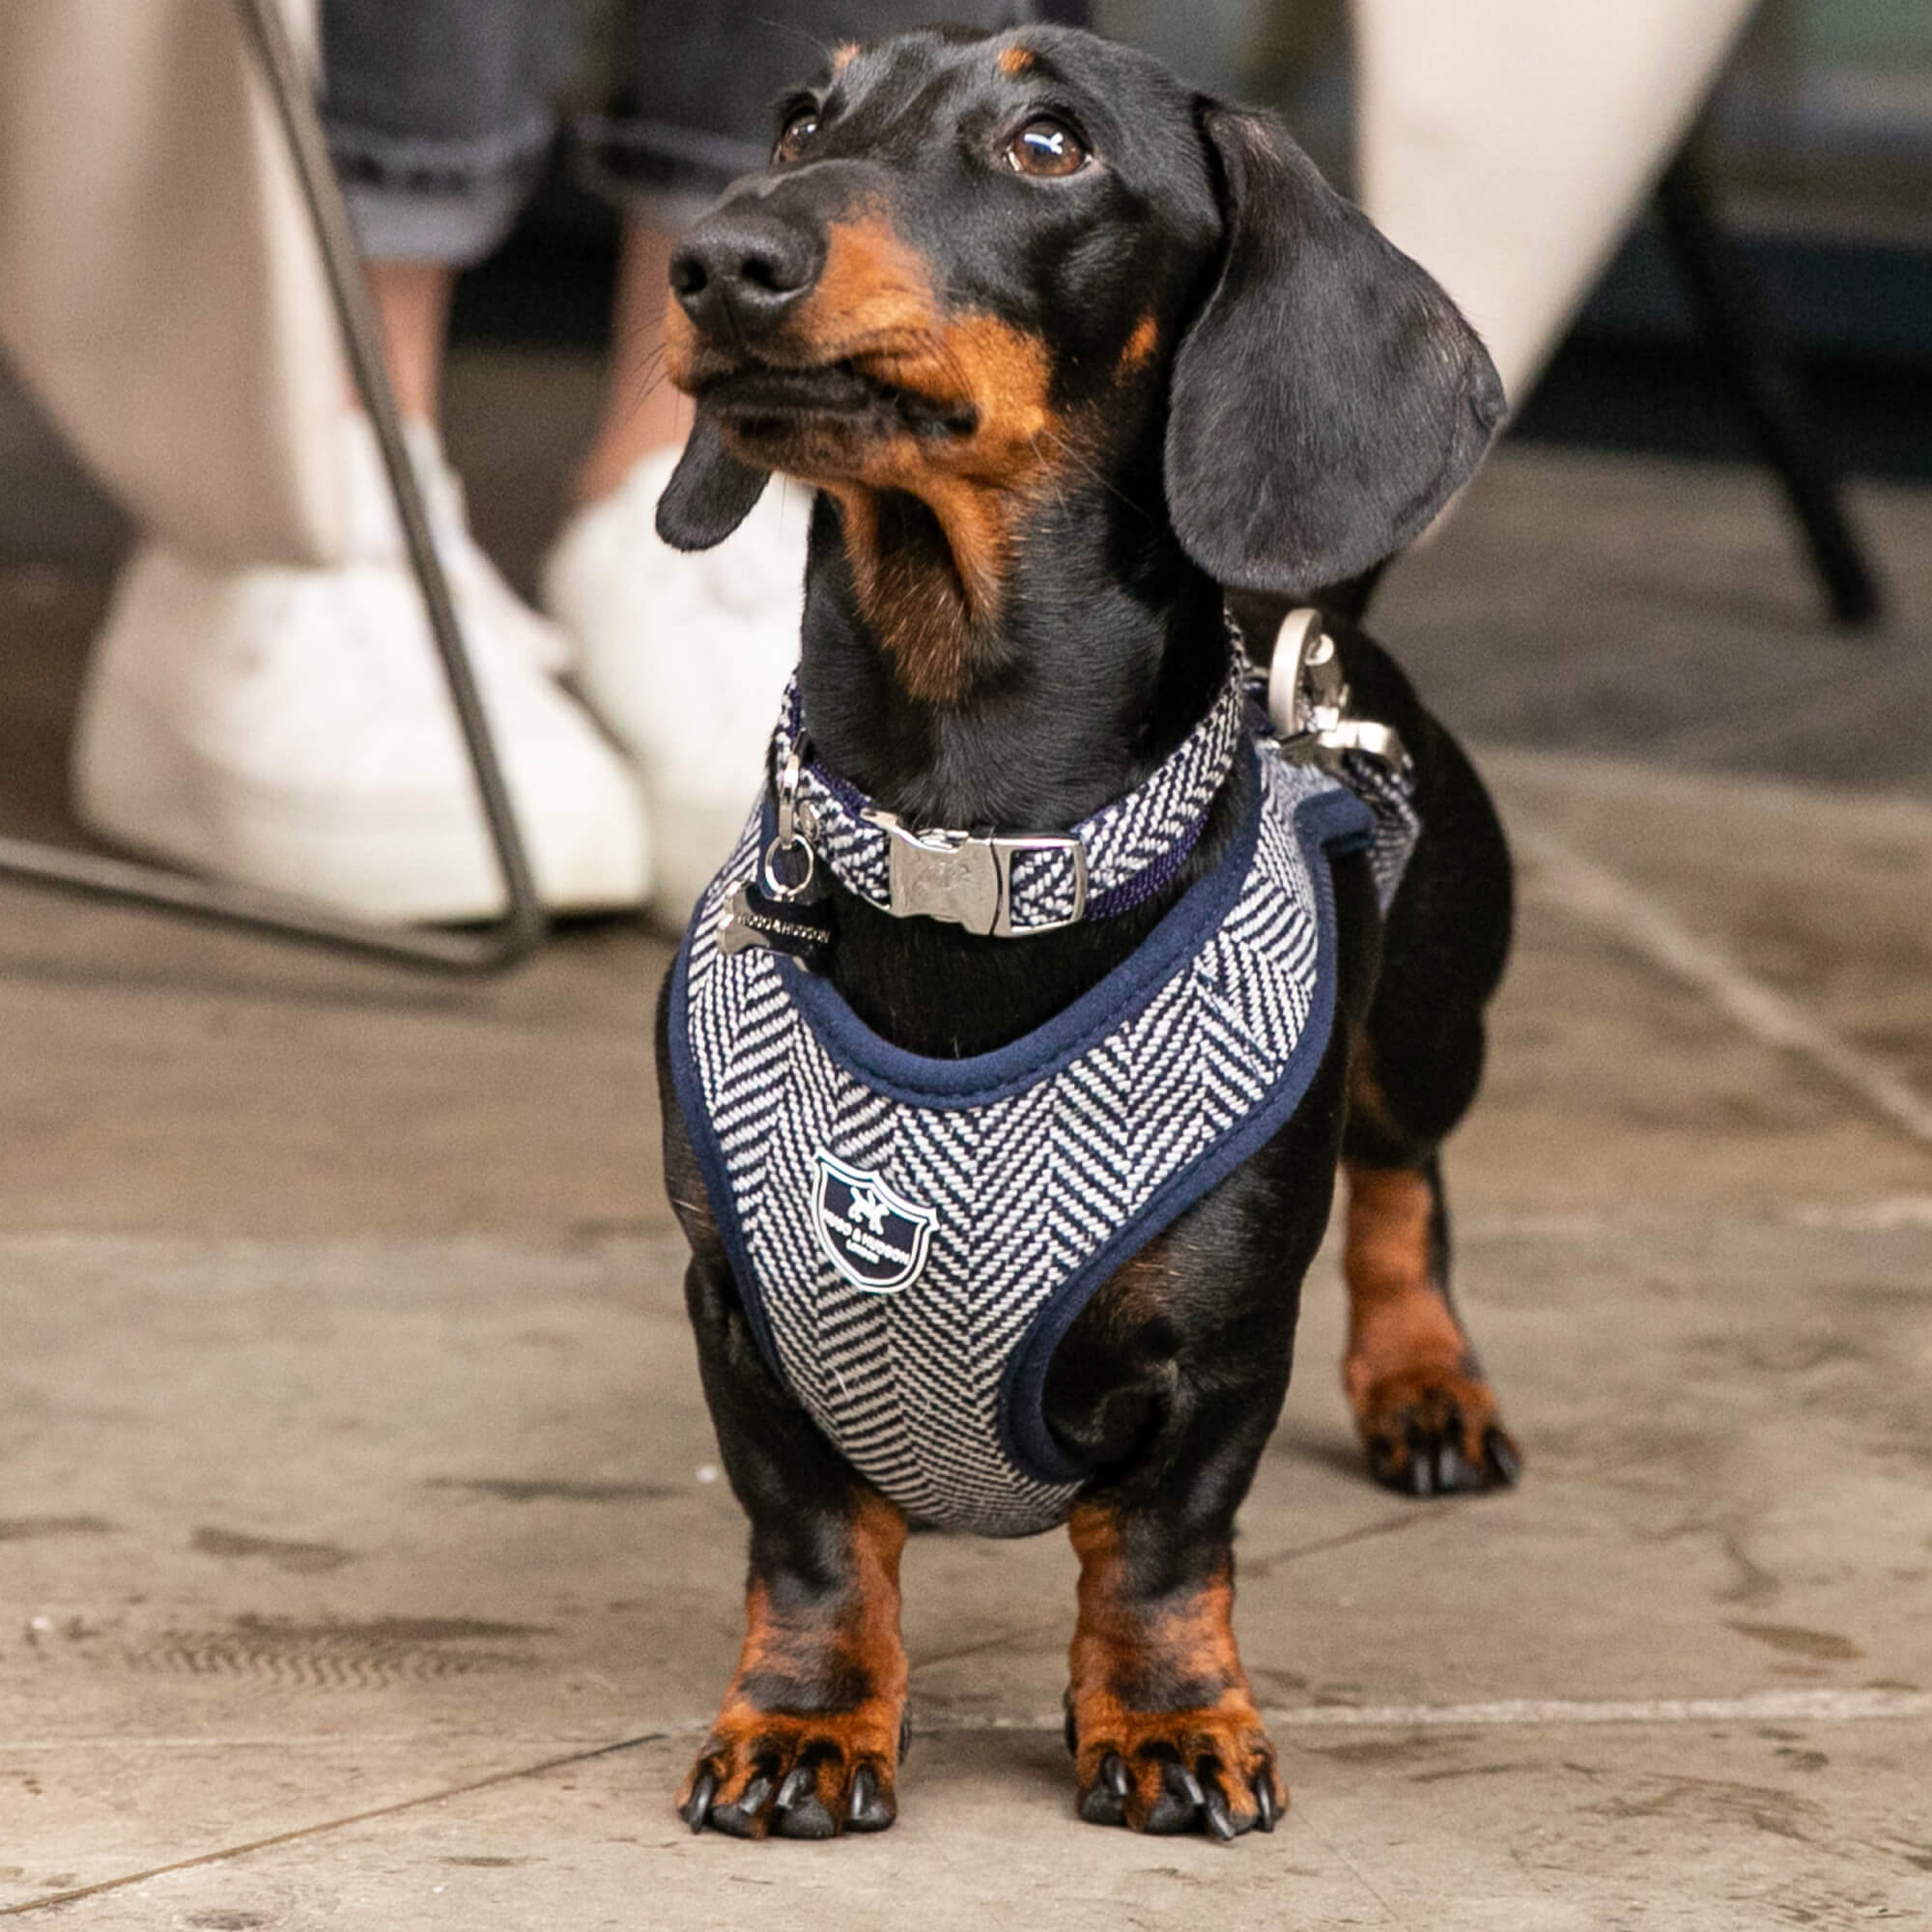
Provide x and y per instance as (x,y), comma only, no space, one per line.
(807,1741)
(1163,1727)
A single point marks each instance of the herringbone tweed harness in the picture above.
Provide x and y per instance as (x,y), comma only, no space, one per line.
(912,1237)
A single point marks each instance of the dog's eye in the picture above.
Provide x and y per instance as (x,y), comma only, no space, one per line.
(1046,147)
(799,133)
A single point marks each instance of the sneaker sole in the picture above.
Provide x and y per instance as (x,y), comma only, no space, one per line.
(138,786)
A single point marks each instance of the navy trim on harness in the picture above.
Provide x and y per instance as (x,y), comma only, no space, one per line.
(685,1083)
(1325,826)
(985,1077)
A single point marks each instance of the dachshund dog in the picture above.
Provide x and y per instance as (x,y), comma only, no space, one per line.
(1073,358)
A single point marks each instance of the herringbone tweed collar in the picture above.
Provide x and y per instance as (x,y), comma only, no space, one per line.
(1014,884)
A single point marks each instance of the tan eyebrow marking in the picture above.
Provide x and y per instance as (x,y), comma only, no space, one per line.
(842,57)
(1016,61)
(1142,343)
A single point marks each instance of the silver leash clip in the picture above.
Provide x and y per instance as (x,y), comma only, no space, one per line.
(1308,702)
(775,913)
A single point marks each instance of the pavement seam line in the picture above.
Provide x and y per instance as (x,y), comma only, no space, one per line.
(1817,1707)
(1827,1707)
(301,1832)
(1299,1814)
(1887,1214)
(1253,1568)
(1613,905)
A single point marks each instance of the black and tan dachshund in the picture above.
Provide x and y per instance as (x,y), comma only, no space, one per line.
(1071,353)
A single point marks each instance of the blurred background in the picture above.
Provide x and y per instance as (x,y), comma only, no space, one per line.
(361,1537)
(1816,144)
(1818,137)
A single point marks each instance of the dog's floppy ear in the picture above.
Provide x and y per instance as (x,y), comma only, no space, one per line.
(710,492)
(1328,398)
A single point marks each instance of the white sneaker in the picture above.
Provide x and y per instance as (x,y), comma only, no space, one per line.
(684,657)
(291,729)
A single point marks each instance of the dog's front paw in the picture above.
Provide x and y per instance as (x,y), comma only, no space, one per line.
(1164,1772)
(1436,1432)
(1426,1418)
(796,1776)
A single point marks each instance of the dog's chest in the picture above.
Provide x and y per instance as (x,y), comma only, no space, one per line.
(912,1237)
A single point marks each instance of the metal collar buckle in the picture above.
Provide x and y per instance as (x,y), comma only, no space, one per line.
(966,878)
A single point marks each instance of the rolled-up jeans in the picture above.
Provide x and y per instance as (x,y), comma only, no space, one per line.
(441,112)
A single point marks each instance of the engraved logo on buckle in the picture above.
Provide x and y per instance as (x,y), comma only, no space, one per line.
(951,878)
(956,883)
(966,878)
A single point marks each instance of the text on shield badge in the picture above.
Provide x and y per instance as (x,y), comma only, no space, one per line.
(874,1236)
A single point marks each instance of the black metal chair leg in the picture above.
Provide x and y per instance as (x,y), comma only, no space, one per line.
(522,928)
(1763,377)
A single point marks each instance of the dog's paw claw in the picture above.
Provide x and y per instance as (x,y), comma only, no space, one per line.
(696,1809)
(869,1812)
(1266,1812)
(1437,1433)
(1176,1804)
(805,1817)
(743,1818)
(1504,1458)
(794,1778)
(1174,1776)
(1105,1801)
(1452,1473)
(1220,1820)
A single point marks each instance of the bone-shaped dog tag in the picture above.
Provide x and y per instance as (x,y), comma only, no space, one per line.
(754,920)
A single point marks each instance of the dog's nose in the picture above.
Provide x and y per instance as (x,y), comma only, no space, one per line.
(741,270)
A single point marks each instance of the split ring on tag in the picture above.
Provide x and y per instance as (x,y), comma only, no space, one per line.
(795,828)
(776,888)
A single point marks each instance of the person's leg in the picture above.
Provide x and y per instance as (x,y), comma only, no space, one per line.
(1506,144)
(291,728)
(413,305)
(641,411)
(439,116)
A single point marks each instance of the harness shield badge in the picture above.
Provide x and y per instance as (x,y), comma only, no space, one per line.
(874,1237)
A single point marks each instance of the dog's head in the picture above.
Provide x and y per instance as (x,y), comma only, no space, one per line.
(980,267)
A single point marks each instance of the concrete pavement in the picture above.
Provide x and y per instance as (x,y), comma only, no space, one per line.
(363,1561)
